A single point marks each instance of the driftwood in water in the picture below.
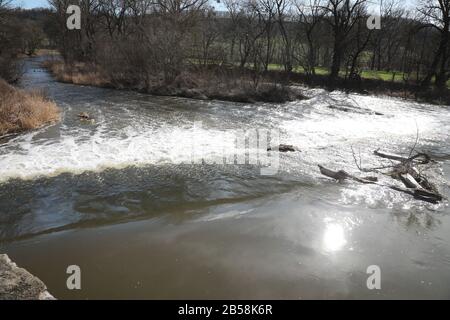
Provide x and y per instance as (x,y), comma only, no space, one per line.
(404,170)
(84,116)
(426,158)
(342,175)
(422,180)
(416,190)
(409,181)
(284,148)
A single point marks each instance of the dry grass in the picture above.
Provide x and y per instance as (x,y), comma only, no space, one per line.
(193,84)
(78,73)
(20,110)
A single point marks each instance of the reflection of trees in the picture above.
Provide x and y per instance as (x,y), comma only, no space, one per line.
(417,219)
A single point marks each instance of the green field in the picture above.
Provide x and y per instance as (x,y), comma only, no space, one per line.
(367,74)
(395,76)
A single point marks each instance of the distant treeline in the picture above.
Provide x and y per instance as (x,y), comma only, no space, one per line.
(22,32)
(157,40)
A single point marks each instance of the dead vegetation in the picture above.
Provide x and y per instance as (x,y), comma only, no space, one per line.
(77,73)
(214,83)
(20,110)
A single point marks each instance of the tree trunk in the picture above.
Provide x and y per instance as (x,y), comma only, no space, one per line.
(441,76)
(336,63)
(432,70)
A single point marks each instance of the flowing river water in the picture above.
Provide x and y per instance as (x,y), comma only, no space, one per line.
(115,198)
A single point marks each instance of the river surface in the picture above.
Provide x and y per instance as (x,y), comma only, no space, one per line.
(121,199)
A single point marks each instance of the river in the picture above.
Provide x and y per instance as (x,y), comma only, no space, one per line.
(119,199)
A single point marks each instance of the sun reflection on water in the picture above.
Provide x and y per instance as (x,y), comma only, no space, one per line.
(334,237)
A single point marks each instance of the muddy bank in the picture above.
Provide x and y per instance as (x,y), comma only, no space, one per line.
(18,284)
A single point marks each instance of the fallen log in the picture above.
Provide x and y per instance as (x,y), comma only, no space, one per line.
(337,175)
(423,181)
(342,175)
(418,193)
(412,178)
(390,156)
(420,189)
(409,181)
(284,148)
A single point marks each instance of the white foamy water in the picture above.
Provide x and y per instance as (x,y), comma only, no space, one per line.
(323,134)
(98,151)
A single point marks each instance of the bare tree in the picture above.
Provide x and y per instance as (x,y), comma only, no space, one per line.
(266,13)
(247,28)
(436,15)
(282,11)
(385,43)
(357,44)
(209,33)
(114,14)
(342,15)
(4,6)
(156,41)
(177,7)
(10,43)
(310,13)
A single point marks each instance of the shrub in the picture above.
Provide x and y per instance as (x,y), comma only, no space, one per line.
(20,110)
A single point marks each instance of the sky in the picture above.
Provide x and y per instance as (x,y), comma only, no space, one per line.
(30,3)
(44,3)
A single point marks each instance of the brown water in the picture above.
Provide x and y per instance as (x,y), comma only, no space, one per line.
(114,198)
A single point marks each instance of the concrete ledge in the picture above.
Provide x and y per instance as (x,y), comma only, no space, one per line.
(18,284)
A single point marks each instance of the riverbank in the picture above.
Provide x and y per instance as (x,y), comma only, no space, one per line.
(237,85)
(214,84)
(406,90)
(22,111)
(18,284)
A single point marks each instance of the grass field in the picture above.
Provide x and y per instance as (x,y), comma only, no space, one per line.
(367,74)
(388,76)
